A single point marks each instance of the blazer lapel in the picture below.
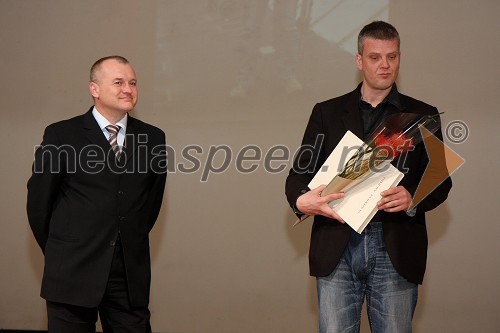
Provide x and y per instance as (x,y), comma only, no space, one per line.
(130,144)
(94,133)
(352,117)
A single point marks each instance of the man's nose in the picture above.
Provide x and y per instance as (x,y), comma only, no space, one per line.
(127,88)
(385,62)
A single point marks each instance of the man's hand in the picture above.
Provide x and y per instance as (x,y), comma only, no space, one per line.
(312,203)
(395,199)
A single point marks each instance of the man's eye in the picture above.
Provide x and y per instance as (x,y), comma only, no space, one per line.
(118,83)
(133,84)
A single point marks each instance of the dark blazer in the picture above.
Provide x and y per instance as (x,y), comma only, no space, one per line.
(80,199)
(405,236)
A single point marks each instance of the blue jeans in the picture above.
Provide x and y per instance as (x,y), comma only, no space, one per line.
(365,270)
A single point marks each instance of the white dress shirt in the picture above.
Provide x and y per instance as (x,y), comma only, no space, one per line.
(103,122)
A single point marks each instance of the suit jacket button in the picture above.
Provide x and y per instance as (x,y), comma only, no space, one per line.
(121,193)
(122,218)
(112,243)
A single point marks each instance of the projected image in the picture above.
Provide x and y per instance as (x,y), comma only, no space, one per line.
(256,52)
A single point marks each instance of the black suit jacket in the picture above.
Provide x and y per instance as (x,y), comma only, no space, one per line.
(80,199)
(405,236)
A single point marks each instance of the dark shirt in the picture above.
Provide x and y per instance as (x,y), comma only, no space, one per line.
(372,116)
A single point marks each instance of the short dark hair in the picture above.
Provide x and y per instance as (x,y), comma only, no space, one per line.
(377,30)
(95,67)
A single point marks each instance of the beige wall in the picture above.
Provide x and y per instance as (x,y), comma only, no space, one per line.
(225,258)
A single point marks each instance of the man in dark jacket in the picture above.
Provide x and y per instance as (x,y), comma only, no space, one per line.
(94,196)
(386,262)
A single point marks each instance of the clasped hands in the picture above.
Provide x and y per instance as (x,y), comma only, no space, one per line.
(312,203)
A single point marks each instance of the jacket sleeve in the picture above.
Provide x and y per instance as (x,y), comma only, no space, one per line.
(308,159)
(44,185)
(159,169)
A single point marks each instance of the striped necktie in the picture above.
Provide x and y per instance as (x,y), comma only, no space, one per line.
(113,134)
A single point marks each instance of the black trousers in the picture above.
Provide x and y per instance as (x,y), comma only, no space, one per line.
(115,312)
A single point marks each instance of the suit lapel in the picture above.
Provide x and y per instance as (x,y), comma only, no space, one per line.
(94,133)
(352,117)
(130,140)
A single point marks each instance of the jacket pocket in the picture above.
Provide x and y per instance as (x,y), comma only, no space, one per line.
(64,238)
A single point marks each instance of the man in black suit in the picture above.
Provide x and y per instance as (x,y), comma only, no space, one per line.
(94,196)
(386,262)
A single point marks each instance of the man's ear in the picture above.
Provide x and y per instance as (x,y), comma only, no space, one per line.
(359,61)
(94,89)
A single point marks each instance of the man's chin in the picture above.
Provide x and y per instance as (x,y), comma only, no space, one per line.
(385,85)
(127,107)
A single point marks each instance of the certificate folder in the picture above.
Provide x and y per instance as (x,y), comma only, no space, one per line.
(359,204)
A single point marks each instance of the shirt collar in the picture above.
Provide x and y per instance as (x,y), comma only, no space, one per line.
(103,122)
(392,97)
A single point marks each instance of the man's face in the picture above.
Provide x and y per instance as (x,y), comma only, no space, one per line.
(115,92)
(379,63)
